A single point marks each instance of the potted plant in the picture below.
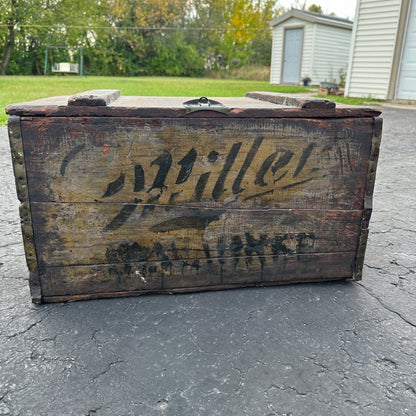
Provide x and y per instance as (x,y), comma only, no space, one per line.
(306,81)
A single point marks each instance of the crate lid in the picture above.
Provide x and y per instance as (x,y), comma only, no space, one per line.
(253,105)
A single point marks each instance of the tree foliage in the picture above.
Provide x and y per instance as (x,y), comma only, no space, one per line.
(135,37)
(315,9)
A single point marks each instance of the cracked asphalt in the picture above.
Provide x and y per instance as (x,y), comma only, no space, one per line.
(344,348)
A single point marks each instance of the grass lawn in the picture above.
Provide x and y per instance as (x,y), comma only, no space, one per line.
(352,100)
(15,89)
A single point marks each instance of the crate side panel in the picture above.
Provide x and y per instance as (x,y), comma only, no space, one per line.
(131,278)
(287,163)
(87,233)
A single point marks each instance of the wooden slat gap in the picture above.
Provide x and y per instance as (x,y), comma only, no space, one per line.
(199,207)
(184,290)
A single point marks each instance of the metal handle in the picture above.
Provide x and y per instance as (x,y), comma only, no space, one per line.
(205,104)
(204,100)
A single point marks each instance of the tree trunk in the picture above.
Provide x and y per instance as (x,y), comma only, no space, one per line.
(8,51)
(38,70)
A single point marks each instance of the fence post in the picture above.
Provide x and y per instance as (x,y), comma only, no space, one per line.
(46,61)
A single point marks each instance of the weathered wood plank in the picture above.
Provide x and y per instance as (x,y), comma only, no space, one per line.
(172,276)
(73,234)
(16,145)
(209,162)
(167,107)
(190,289)
(239,113)
(94,98)
(291,100)
(368,198)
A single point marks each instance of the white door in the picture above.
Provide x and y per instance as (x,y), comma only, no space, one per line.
(406,88)
(292,55)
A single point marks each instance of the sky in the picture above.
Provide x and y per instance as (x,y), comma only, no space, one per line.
(342,8)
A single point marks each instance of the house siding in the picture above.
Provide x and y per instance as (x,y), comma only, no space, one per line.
(372,47)
(331,54)
(307,50)
(276,62)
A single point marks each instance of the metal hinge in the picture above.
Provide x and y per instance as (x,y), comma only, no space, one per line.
(205,104)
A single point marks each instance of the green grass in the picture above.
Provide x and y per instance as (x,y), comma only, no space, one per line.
(352,100)
(253,72)
(15,89)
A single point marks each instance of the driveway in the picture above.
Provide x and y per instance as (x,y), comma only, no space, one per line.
(343,348)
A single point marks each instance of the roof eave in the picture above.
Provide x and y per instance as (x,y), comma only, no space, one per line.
(324,20)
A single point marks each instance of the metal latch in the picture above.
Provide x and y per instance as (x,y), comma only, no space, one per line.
(205,104)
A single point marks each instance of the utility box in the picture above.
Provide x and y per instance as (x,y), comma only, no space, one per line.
(129,195)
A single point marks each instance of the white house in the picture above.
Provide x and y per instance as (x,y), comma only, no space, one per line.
(309,45)
(383,50)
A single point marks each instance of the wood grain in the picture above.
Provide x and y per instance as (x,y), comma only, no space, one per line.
(163,277)
(94,98)
(250,163)
(292,101)
(71,234)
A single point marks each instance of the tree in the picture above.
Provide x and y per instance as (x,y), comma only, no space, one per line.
(261,44)
(135,37)
(147,37)
(14,15)
(315,9)
(174,57)
(234,29)
(301,4)
(32,25)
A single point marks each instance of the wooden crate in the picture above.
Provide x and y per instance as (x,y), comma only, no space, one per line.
(323,91)
(130,195)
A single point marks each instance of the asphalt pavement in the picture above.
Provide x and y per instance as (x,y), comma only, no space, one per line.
(343,348)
